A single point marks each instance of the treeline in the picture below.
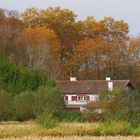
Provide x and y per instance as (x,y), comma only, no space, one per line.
(54,42)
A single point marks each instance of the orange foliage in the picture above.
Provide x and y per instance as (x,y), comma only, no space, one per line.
(42,46)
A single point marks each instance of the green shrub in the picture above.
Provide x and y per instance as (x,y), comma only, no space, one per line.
(106,129)
(47,121)
(119,99)
(113,128)
(119,105)
(121,116)
(92,116)
(122,128)
(136,131)
(135,120)
(6,101)
(24,106)
(50,100)
(72,116)
(109,116)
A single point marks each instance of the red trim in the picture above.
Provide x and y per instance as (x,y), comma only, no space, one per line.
(76,108)
(79,93)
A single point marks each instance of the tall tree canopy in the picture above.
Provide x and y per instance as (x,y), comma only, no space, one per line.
(10,29)
(54,41)
(43,49)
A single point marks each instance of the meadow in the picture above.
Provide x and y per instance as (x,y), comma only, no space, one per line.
(70,131)
(76,138)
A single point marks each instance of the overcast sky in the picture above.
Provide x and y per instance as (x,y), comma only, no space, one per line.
(128,10)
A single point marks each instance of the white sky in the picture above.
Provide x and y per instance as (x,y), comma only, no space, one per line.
(128,10)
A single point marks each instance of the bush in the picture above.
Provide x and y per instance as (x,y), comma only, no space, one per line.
(136,131)
(113,128)
(31,104)
(121,99)
(93,116)
(24,106)
(72,116)
(135,120)
(105,129)
(118,105)
(50,100)
(122,128)
(109,116)
(6,101)
(47,121)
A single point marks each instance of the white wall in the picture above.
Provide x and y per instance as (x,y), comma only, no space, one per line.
(70,102)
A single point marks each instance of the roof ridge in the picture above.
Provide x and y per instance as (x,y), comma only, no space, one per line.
(88,86)
(87,80)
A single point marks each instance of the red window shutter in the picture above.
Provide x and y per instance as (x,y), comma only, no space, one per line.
(66,98)
(88,98)
(74,98)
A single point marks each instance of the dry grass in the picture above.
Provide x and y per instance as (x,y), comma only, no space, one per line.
(76,138)
(65,131)
(16,129)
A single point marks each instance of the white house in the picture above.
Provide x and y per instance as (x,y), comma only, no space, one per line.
(78,93)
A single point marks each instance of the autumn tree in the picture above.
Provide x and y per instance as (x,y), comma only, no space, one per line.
(100,50)
(62,21)
(86,59)
(43,48)
(90,28)
(88,49)
(132,60)
(10,29)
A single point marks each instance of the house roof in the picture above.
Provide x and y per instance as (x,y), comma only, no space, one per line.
(89,86)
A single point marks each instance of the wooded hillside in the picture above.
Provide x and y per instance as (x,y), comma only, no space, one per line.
(53,41)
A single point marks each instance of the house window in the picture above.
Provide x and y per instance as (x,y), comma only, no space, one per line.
(80,98)
(83,98)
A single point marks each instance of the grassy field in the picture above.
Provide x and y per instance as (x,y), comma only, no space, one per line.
(75,138)
(68,131)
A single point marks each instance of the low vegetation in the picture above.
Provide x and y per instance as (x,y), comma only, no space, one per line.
(40,44)
(77,138)
(25,95)
(70,130)
(47,121)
